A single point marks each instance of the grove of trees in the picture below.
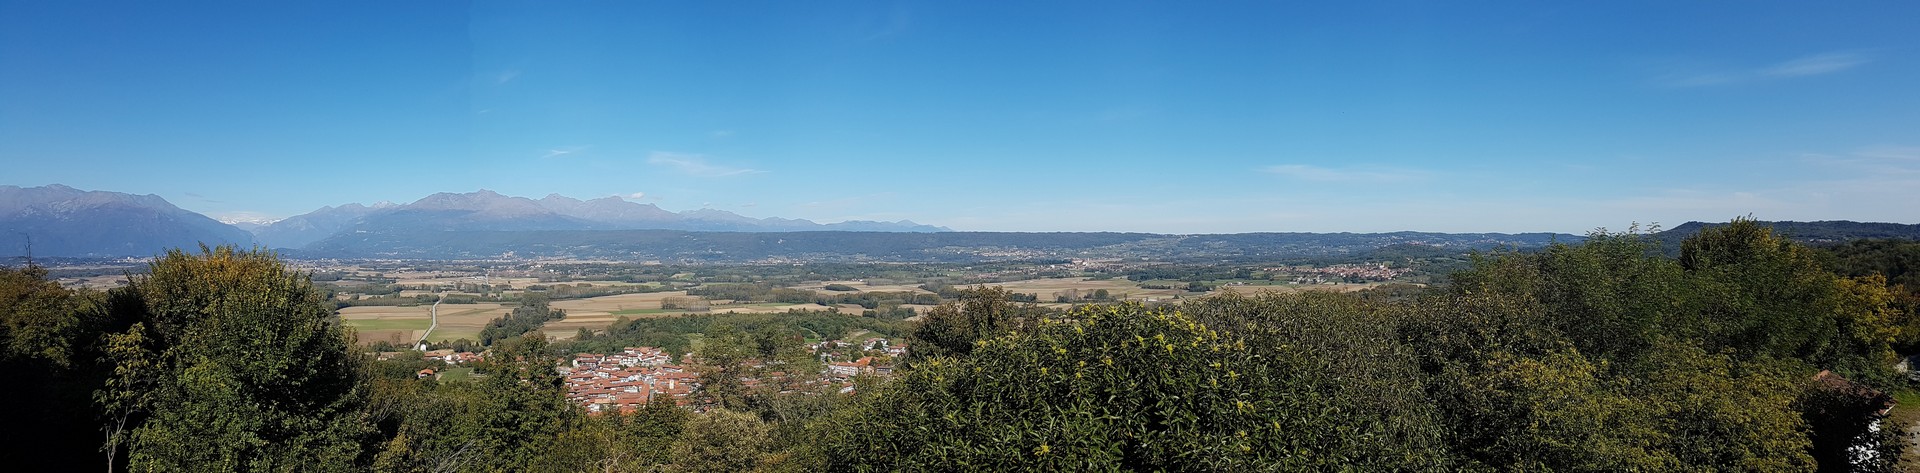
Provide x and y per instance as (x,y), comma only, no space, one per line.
(532,313)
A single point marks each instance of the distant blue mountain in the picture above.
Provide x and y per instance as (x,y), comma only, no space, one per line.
(486,210)
(63,221)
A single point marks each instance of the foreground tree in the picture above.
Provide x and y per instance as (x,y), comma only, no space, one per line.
(720,441)
(38,318)
(47,348)
(231,363)
(509,419)
(1129,388)
(952,328)
(1608,356)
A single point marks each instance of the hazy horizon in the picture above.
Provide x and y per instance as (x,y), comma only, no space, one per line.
(1642,226)
(1137,117)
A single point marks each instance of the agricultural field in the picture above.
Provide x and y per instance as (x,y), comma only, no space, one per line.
(596,313)
(461,373)
(404,324)
(860,286)
(606,306)
(95,282)
(442,279)
(1120,289)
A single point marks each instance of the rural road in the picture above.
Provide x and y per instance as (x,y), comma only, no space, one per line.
(433,316)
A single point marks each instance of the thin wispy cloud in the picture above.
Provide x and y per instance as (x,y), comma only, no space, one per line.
(1891,152)
(1816,65)
(1870,161)
(1307,172)
(637,196)
(895,23)
(506,76)
(558,152)
(1682,76)
(697,165)
(1684,80)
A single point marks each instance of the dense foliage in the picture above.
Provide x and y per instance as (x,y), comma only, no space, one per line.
(1603,356)
(1746,352)
(1897,260)
(675,334)
(532,313)
(1122,387)
(47,364)
(230,363)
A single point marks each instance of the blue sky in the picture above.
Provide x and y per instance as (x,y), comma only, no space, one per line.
(1030,116)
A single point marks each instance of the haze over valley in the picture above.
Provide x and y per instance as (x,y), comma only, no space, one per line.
(638,236)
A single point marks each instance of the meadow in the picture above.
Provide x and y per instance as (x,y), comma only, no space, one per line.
(406,323)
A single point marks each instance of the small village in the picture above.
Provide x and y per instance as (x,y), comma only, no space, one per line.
(631,378)
(1344,273)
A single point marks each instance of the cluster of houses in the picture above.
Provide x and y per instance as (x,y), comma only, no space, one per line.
(1369,272)
(453,357)
(447,356)
(635,376)
(856,358)
(627,380)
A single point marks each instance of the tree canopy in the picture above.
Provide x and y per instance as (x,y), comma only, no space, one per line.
(1746,352)
(231,363)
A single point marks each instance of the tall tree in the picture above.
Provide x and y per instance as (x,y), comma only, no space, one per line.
(47,349)
(721,441)
(232,363)
(37,317)
(952,328)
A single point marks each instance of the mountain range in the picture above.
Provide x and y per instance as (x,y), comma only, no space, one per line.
(57,220)
(61,221)
(488,210)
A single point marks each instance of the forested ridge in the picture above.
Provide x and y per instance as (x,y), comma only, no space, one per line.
(1745,352)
